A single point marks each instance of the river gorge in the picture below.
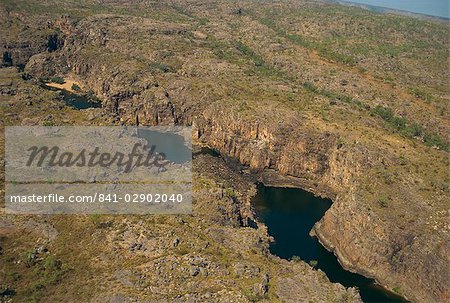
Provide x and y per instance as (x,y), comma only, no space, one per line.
(290,214)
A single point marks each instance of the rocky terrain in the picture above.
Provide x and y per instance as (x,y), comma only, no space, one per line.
(346,103)
(211,256)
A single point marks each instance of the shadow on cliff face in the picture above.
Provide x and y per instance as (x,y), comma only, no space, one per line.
(53,43)
(7,59)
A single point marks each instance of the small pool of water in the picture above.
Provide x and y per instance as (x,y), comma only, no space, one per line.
(290,215)
(172,145)
(79,101)
(74,100)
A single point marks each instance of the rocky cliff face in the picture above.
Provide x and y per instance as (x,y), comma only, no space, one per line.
(290,147)
(288,113)
(361,238)
(21,38)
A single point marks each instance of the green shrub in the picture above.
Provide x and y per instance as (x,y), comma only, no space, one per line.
(162,67)
(313,263)
(247,51)
(410,129)
(383,202)
(300,40)
(415,130)
(48,123)
(49,272)
(399,122)
(325,52)
(421,94)
(92,98)
(311,87)
(58,80)
(296,259)
(230,192)
(95,218)
(384,112)
(76,87)
(435,140)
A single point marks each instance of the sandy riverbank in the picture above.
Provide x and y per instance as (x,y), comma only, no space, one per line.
(67,85)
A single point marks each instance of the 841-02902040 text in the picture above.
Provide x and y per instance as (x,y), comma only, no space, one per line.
(100,198)
(141,198)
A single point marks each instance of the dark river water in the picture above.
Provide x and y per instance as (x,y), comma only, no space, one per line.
(74,100)
(289,215)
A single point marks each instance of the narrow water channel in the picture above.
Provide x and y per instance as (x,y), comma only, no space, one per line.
(289,215)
